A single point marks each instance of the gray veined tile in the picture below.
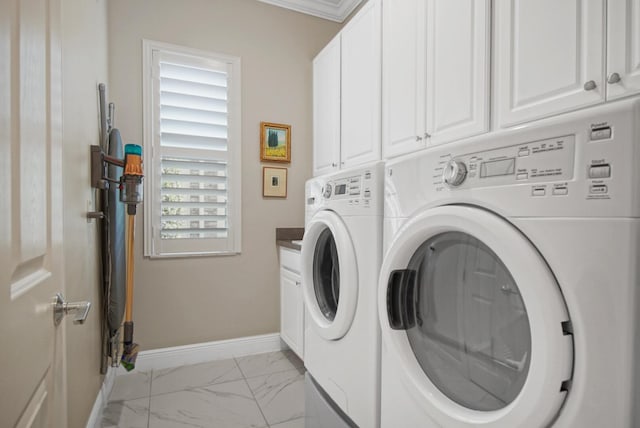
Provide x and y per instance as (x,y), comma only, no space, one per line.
(126,414)
(131,386)
(267,363)
(296,423)
(280,395)
(224,405)
(194,376)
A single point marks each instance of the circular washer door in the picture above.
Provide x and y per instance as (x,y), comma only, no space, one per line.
(474,321)
(329,275)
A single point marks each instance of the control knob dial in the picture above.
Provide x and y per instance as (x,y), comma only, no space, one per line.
(455,172)
(327,191)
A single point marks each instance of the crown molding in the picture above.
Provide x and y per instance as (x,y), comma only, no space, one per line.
(333,10)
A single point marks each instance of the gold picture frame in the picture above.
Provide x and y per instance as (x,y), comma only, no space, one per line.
(274,182)
(275,142)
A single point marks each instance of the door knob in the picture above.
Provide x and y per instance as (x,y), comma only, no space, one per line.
(614,78)
(62,308)
(590,85)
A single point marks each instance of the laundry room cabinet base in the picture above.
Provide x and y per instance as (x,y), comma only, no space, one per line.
(291,301)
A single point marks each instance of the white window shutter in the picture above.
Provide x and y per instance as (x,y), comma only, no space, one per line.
(195,185)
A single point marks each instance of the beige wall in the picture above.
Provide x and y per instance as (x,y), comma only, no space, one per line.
(84,64)
(192,300)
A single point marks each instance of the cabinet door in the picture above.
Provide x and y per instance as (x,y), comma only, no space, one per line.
(549,57)
(623,50)
(361,87)
(291,311)
(403,76)
(458,62)
(326,109)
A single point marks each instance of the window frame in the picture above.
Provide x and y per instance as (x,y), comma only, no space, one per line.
(153,245)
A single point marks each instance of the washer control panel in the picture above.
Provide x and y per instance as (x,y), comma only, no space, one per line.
(535,162)
(344,187)
(356,190)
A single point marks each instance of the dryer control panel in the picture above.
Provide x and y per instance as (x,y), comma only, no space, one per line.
(534,162)
(583,163)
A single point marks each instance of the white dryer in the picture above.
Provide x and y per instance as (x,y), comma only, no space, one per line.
(341,256)
(509,294)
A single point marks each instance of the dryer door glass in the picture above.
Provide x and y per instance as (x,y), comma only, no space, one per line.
(471,334)
(326,274)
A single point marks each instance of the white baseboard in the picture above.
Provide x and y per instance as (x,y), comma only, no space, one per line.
(102,399)
(163,358)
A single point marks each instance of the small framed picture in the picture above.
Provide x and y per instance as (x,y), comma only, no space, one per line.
(275,142)
(274,182)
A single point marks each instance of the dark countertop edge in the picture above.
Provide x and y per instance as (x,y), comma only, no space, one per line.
(285,236)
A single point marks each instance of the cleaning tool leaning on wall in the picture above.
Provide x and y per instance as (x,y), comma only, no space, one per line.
(131,195)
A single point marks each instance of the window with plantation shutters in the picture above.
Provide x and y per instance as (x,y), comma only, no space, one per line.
(192,139)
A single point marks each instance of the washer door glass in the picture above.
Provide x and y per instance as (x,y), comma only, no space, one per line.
(471,335)
(326,274)
(329,275)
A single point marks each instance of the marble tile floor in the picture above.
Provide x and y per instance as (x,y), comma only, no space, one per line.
(256,391)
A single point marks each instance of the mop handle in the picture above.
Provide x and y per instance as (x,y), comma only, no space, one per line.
(128,317)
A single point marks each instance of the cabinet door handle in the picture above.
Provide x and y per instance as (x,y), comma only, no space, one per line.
(418,138)
(427,135)
(614,78)
(590,85)
(298,283)
(334,164)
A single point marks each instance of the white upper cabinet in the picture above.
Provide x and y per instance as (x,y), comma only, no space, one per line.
(326,108)
(458,64)
(346,95)
(361,74)
(403,76)
(435,72)
(549,57)
(623,48)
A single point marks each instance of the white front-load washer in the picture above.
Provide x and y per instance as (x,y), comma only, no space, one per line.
(509,292)
(341,256)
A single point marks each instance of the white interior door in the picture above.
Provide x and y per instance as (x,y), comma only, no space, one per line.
(32,382)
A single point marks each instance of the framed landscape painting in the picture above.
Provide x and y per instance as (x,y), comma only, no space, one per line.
(275,142)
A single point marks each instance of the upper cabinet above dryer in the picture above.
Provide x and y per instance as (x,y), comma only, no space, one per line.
(623,48)
(346,95)
(436,62)
(326,108)
(554,56)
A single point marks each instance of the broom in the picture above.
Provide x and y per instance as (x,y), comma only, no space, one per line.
(130,351)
